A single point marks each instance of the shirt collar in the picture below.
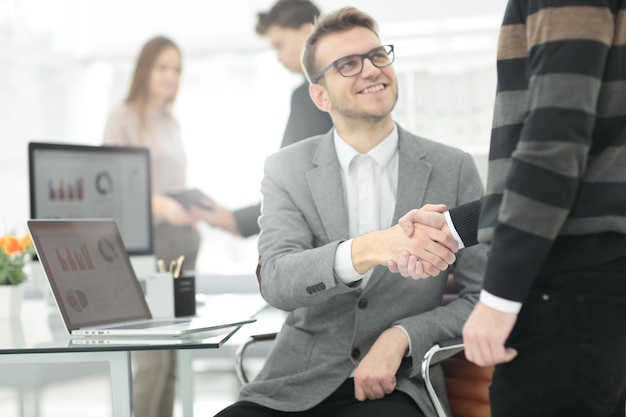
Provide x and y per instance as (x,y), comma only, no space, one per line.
(381,153)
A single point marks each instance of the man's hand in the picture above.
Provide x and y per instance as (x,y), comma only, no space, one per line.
(376,374)
(381,246)
(218,216)
(419,221)
(171,211)
(485,333)
(429,215)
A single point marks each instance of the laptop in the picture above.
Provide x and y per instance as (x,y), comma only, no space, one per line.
(95,287)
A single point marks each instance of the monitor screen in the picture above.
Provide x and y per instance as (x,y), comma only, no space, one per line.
(77,181)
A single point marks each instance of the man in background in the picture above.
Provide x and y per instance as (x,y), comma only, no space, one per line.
(286,25)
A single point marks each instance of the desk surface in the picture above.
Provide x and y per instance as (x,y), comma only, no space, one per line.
(40,329)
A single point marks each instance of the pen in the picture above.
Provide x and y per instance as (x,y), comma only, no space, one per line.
(179,266)
(161,265)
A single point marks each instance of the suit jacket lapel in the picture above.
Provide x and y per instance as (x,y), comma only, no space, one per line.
(413,173)
(327,190)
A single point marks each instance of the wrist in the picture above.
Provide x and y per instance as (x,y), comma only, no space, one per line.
(364,253)
(397,340)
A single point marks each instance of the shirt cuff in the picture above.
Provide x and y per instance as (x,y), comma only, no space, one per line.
(410,349)
(344,269)
(500,304)
(453,231)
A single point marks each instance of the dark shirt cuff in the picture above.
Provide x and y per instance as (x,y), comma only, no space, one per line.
(247,220)
(465,220)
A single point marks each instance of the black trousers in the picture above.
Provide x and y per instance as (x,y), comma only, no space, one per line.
(571,358)
(341,403)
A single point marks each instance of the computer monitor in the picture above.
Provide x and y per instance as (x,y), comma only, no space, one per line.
(79,181)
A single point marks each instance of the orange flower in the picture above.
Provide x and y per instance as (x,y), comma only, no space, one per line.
(11,244)
(15,252)
(26,242)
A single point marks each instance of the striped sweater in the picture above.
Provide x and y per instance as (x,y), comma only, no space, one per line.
(556,189)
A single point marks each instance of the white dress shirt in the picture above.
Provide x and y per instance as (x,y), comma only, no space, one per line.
(370,185)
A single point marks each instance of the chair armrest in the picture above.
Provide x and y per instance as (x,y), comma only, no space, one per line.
(441,350)
(447,347)
(241,350)
(263,337)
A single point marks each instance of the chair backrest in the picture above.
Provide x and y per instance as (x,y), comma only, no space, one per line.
(468,387)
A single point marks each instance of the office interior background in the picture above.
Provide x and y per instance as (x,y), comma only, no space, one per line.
(64,64)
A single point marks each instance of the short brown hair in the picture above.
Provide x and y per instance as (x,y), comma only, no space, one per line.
(288,14)
(338,21)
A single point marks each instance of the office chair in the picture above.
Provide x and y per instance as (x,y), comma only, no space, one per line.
(240,369)
(467,384)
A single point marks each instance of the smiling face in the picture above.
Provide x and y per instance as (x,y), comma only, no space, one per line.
(367,97)
(165,76)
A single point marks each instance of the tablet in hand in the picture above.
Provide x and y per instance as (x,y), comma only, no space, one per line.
(191,197)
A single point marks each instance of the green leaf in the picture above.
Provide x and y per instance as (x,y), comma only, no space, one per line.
(12,268)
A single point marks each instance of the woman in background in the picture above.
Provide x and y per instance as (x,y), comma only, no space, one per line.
(145,119)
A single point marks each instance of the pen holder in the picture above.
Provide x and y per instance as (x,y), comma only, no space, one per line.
(169,297)
(185,294)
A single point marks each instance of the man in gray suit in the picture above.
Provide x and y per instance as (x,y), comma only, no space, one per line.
(355,333)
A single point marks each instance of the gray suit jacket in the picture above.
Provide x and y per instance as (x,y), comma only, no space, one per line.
(331,326)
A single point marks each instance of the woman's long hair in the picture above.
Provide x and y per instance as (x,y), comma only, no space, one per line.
(138,94)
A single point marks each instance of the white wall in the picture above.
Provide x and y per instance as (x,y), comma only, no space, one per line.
(64,64)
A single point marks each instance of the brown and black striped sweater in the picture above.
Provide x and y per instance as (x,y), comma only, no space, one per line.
(556,189)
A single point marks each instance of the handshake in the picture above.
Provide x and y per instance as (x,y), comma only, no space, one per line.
(419,246)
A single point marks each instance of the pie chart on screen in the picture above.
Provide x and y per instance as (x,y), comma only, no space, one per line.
(76,299)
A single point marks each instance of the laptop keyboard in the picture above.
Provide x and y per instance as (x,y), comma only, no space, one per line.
(150,324)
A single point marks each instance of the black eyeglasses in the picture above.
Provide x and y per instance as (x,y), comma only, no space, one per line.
(352,65)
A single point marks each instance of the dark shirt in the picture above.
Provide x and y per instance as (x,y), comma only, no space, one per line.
(305,120)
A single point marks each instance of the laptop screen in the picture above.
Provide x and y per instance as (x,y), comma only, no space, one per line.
(89,271)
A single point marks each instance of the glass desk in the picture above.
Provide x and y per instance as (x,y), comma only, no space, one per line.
(39,336)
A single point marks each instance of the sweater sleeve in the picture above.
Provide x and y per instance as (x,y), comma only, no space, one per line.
(547,150)
(465,220)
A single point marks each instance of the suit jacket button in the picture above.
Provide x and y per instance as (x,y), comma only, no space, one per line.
(356,353)
(362,303)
